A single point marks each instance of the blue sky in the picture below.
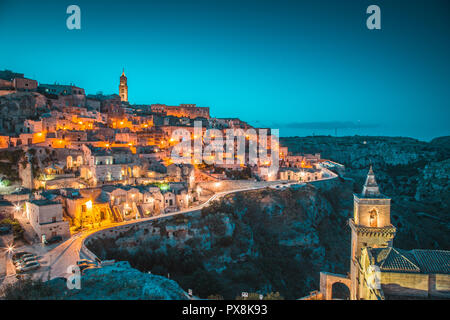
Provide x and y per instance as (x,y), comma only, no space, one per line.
(295,65)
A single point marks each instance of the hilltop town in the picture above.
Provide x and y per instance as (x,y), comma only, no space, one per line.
(80,161)
(81,171)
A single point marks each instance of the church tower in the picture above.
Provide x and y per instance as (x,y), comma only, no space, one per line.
(371,227)
(123,87)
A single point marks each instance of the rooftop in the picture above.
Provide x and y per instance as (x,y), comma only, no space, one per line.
(43,202)
(416,260)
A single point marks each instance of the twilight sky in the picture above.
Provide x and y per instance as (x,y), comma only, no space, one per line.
(302,66)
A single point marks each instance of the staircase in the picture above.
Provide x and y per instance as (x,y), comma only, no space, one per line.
(141,212)
(137,209)
(117,216)
(110,213)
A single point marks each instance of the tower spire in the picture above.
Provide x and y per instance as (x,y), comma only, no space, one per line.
(370,186)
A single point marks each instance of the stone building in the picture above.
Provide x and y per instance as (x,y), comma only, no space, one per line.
(24,84)
(190,111)
(296,174)
(46,218)
(403,274)
(379,271)
(86,207)
(108,164)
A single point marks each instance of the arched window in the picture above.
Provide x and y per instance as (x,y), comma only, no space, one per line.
(373,218)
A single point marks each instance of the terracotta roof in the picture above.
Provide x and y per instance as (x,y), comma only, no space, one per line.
(417,260)
(433,261)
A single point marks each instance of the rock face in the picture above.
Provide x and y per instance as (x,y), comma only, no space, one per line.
(260,241)
(120,281)
(406,168)
(358,152)
(15,108)
(269,240)
(433,184)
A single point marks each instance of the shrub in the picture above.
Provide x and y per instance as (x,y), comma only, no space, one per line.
(15,225)
(28,289)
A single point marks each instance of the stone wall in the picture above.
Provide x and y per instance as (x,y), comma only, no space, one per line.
(415,285)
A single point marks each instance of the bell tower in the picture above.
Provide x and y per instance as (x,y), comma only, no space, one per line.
(123,87)
(371,227)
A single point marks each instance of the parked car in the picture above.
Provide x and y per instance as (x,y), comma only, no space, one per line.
(28,267)
(27,255)
(20,254)
(54,239)
(23,263)
(25,260)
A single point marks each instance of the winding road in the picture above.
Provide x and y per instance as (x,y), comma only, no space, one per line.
(56,261)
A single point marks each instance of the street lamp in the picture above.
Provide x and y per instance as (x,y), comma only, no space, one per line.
(10,249)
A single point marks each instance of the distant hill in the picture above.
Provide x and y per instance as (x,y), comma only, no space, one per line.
(404,166)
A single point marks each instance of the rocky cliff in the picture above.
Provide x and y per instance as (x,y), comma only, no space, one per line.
(278,241)
(260,241)
(118,281)
(263,241)
(15,108)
